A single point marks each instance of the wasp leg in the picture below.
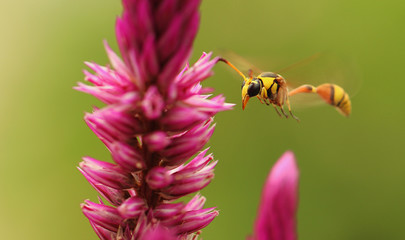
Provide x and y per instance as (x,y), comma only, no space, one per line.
(282,110)
(293,116)
(289,109)
(275,107)
(263,95)
(260,99)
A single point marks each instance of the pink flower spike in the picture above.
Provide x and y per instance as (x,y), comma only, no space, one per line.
(156,118)
(276,218)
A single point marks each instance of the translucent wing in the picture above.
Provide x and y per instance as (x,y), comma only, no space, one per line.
(300,63)
(324,70)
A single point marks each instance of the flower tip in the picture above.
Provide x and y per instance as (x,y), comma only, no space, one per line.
(77,88)
(229,106)
(284,173)
(89,64)
(287,164)
(106,43)
(107,47)
(289,154)
(216,213)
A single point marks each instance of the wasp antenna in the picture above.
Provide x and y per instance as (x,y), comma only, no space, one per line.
(232,66)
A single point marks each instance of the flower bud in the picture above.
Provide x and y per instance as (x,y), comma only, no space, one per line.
(132,207)
(159,177)
(156,141)
(153,103)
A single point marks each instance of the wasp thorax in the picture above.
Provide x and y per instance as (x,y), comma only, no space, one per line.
(269,74)
(253,89)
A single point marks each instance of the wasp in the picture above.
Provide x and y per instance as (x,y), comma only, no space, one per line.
(271,88)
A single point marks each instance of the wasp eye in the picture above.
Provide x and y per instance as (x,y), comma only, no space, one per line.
(243,84)
(253,89)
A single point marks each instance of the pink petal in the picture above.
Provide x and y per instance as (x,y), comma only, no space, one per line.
(158,233)
(127,156)
(116,61)
(103,233)
(132,207)
(113,196)
(196,220)
(102,215)
(168,210)
(106,173)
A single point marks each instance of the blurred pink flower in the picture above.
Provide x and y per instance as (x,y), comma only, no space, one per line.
(157,116)
(276,219)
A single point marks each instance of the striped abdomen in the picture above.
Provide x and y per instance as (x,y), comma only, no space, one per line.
(335,96)
(330,93)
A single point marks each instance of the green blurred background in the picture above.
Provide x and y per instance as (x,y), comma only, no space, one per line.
(352,169)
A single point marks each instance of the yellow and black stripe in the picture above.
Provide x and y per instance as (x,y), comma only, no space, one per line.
(330,93)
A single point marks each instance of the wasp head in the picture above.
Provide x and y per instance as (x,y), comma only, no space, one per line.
(249,89)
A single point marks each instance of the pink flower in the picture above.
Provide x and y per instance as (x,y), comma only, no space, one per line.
(157,116)
(276,219)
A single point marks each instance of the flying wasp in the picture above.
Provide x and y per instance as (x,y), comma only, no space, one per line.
(271,88)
